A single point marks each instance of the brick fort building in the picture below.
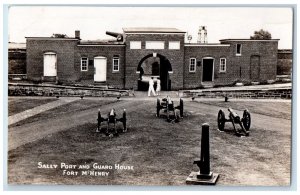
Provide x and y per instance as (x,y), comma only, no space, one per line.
(128,61)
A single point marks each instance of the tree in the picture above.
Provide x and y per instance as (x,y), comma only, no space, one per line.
(57,35)
(261,35)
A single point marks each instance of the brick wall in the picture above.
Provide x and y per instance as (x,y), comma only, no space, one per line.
(285,93)
(257,62)
(194,79)
(134,56)
(285,62)
(267,52)
(114,78)
(238,68)
(52,90)
(64,49)
(17,61)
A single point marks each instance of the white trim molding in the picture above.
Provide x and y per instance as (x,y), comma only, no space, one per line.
(155,45)
(207,45)
(135,44)
(87,64)
(113,64)
(174,45)
(240,50)
(101,45)
(195,64)
(225,65)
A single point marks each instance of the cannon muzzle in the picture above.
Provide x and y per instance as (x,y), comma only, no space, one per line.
(114,34)
(234,114)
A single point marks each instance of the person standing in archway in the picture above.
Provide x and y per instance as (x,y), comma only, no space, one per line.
(141,73)
(158,87)
(151,87)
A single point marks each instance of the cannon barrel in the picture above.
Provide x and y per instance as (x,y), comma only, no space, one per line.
(234,114)
(114,34)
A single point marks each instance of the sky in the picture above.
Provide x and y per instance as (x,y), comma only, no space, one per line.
(93,21)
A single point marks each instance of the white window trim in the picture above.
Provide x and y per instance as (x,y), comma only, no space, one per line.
(87,64)
(225,65)
(116,58)
(238,54)
(191,64)
(174,42)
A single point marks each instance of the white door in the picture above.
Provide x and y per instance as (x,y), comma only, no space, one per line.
(50,64)
(100,69)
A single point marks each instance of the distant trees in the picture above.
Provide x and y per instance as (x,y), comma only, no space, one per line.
(261,35)
(57,35)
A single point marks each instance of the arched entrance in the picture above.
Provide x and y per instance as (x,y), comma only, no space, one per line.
(157,66)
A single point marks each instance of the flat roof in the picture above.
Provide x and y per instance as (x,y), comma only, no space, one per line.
(101,42)
(285,51)
(51,38)
(151,30)
(205,44)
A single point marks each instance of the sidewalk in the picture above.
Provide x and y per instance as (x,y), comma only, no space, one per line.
(250,87)
(39,109)
(144,94)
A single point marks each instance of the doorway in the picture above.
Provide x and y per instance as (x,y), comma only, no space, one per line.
(100,64)
(254,67)
(156,66)
(208,69)
(50,69)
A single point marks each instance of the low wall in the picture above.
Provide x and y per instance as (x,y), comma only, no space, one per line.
(281,93)
(20,89)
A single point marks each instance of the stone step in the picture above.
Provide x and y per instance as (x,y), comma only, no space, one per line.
(208,85)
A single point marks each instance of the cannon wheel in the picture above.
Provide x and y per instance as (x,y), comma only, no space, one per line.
(181,107)
(157,107)
(246,119)
(221,120)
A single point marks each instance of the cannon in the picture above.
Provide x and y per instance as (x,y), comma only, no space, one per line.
(114,34)
(234,118)
(111,119)
(167,105)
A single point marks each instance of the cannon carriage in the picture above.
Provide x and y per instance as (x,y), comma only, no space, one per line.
(111,119)
(167,105)
(234,118)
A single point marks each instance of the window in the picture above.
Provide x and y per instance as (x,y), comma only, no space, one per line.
(116,61)
(192,64)
(238,49)
(84,64)
(174,45)
(155,45)
(135,45)
(222,64)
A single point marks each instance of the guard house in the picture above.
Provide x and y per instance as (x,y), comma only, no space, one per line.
(132,57)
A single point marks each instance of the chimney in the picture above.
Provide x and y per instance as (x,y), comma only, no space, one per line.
(77,34)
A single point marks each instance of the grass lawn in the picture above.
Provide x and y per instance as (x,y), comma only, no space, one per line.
(161,153)
(65,110)
(19,105)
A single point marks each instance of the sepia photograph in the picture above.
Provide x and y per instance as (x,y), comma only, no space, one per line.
(150,95)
